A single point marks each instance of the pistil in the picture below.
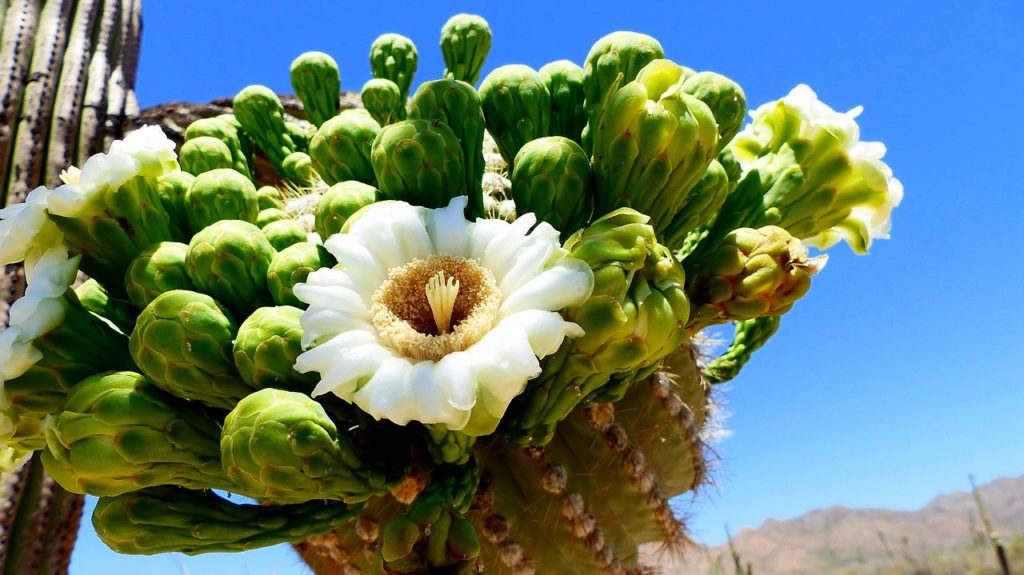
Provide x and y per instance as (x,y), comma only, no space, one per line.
(441,294)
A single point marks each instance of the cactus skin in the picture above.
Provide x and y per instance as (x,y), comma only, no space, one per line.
(282,446)
(182,343)
(564,81)
(383,100)
(165,519)
(118,433)
(700,206)
(635,316)
(517,108)
(317,82)
(726,100)
(229,260)
(750,336)
(228,130)
(394,57)
(613,62)
(752,273)
(293,265)
(651,147)
(203,154)
(419,162)
(552,179)
(217,195)
(267,343)
(284,232)
(259,111)
(159,268)
(465,43)
(339,203)
(340,150)
(172,189)
(458,105)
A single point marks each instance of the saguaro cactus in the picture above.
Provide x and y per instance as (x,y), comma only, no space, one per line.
(403,385)
(68,72)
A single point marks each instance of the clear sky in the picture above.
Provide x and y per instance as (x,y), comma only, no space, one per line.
(901,372)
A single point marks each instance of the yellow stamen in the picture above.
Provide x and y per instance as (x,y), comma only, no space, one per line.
(441,294)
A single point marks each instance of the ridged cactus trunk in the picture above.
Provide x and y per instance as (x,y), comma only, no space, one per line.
(67,76)
(38,522)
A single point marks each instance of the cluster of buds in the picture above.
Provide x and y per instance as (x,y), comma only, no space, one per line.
(401,327)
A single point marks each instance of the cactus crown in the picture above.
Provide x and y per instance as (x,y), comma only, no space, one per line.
(429,338)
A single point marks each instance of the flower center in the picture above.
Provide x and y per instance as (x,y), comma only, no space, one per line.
(432,307)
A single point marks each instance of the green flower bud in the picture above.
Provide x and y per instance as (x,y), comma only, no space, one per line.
(651,148)
(229,260)
(266,346)
(613,62)
(293,265)
(183,343)
(635,316)
(339,203)
(465,43)
(269,197)
(203,154)
(112,310)
(172,188)
(269,216)
(282,446)
(159,268)
(394,57)
(220,195)
(552,179)
(752,273)
(564,81)
(517,108)
(458,105)
(298,167)
(340,150)
(284,232)
(228,130)
(166,519)
(726,100)
(419,162)
(317,82)
(447,446)
(261,114)
(702,203)
(118,433)
(383,100)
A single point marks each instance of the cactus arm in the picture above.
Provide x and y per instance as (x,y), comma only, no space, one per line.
(750,336)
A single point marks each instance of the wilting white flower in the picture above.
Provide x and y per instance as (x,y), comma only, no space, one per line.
(41,309)
(432,318)
(854,190)
(146,152)
(26,230)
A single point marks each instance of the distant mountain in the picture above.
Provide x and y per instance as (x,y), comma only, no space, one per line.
(942,537)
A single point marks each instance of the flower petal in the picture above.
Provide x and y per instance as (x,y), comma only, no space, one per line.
(449,229)
(566,283)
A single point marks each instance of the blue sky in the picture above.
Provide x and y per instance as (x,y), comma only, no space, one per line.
(900,373)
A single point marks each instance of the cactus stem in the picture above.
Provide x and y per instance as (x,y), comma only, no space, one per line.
(495,528)
(601,417)
(554,479)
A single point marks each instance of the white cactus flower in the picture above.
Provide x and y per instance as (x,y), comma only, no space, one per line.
(855,191)
(429,317)
(26,231)
(145,152)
